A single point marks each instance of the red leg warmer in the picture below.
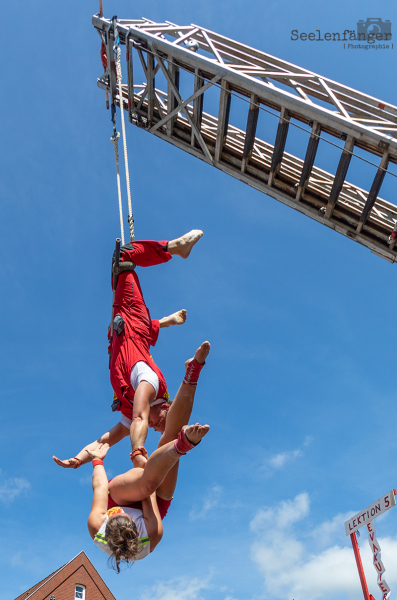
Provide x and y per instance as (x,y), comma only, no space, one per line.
(193,372)
(182,444)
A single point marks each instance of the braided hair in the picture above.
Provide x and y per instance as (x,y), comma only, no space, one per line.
(121,535)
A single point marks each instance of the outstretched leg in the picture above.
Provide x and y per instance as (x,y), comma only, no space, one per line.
(182,406)
(178,416)
(138,484)
(147,253)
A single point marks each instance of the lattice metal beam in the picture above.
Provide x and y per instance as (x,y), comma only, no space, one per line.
(364,122)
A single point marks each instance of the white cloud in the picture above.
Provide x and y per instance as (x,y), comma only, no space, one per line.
(210,501)
(11,487)
(286,513)
(181,588)
(185,588)
(326,532)
(293,569)
(279,460)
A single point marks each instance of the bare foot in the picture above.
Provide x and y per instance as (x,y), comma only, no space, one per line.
(195,433)
(200,354)
(177,318)
(183,245)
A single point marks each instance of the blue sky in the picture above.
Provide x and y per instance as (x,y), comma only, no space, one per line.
(300,388)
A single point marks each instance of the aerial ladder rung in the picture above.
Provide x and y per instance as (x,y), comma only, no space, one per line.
(340,176)
(197,103)
(374,191)
(151,87)
(279,145)
(250,132)
(309,159)
(223,119)
(172,102)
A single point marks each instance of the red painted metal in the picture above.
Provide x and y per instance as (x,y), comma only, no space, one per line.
(367,595)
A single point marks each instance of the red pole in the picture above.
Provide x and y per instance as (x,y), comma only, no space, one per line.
(360,566)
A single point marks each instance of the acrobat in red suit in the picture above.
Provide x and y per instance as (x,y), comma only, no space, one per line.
(137,381)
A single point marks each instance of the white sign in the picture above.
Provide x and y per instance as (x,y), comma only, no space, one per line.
(370,513)
(378,564)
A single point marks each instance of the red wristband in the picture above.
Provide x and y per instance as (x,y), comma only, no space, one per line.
(78,461)
(97,461)
(135,453)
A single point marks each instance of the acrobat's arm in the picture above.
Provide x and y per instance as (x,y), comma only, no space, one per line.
(100,489)
(111,437)
(153,522)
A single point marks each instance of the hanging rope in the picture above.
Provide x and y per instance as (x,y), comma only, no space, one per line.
(116,135)
(127,174)
(115,141)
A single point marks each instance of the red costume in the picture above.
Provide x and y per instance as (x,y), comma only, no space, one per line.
(163,505)
(140,332)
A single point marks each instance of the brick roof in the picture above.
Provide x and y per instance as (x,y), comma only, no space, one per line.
(81,569)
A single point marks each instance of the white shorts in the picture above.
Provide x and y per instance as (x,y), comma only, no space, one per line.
(125,421)
(141,372)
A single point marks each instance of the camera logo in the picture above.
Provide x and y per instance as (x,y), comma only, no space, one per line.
(375,34)
(374,28)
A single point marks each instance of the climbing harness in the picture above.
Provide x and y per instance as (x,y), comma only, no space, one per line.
(116,262)
(125,266)
(117,323)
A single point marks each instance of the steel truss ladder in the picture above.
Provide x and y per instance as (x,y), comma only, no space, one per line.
(355,118)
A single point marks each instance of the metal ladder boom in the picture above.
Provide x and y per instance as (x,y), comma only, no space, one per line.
(357,119)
